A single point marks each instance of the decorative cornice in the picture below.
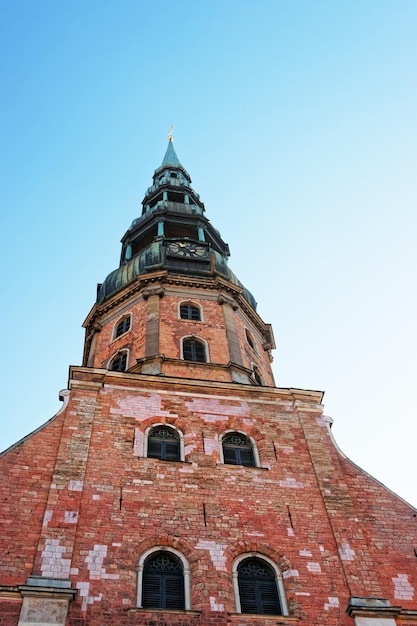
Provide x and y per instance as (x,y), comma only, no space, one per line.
(136,381)
(181,362)
(214,283)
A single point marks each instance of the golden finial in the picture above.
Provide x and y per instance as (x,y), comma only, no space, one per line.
(171,130)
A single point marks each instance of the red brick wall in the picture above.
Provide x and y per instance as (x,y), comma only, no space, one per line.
(9,611)
(258,356)
(26,473)
(332,530)
(134,340)
(211,328)
(172,329)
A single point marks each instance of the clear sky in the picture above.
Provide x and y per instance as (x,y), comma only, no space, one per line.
(297,122)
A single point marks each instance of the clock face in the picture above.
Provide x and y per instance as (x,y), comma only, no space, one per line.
(187,249)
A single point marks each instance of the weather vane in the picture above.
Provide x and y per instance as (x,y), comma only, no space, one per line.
(171,130)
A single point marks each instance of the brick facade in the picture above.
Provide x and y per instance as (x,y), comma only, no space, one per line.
(84,505)
(98,504)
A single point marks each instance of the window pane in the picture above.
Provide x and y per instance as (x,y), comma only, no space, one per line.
(123,326)
(200,353)
(171,451)
(194,313)
(257,588)
(229,456)
(187,351)
(257,376)
(194,350)
(237,450)
(268,595)
(163,583)
(154,448)
(119,363)
(164,444)
(246,457)
(189,312)
(249,339)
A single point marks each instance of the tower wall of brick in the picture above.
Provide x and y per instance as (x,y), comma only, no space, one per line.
(168,330)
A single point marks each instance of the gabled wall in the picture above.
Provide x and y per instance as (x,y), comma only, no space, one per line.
(93,505)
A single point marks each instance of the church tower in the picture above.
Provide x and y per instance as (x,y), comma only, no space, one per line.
(177,485)
(174,307)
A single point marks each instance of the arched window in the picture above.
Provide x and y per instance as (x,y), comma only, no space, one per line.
(163,582)
(119,362)
(237,450)
(250,340)
(194,350)
(164,444)
(259,588)
(257,375)
(190,311)
(122,326)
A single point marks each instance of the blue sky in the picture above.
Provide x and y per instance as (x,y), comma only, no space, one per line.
(297,122)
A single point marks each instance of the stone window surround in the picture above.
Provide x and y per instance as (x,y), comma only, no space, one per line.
(192,303)
(117,322)
(203,341)
(119,352)
(252,442)
(186,573)
(278,578)
(165,425)
(250,340)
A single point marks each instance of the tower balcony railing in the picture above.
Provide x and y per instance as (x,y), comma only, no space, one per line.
(179,207)
(168,205)
(172,182)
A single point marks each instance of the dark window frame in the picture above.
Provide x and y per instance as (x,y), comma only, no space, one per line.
(163,582)
(119,362)
(250,340)
(165,447)
(259,593)
(122,326)
(190,311)
(194,350)
(238,450)
(257,375)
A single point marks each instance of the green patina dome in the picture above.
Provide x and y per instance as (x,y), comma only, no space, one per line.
(172,214)
(152,259)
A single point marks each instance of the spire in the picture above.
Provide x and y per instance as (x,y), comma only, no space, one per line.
(170,157)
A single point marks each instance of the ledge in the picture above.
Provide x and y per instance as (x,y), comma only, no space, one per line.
(184,613)
(137,381)
(264,619)
(408,615)
(149,610)
(249,467)
(10,591)
(48,588)
(372,607)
